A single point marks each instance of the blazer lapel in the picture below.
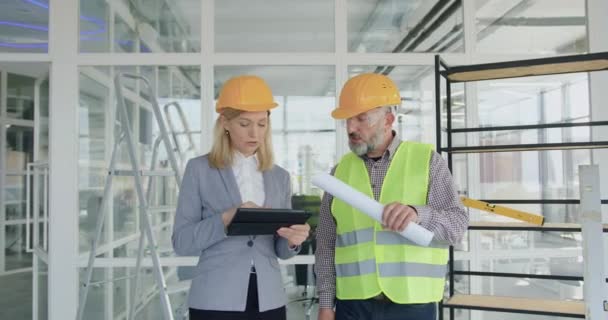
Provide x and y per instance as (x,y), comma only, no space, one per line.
(268,190)
(232,188)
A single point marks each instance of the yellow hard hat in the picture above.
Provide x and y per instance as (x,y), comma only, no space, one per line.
(365,92)
(246,93)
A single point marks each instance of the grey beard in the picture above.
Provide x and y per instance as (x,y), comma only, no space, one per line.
(359,149)
(367,147)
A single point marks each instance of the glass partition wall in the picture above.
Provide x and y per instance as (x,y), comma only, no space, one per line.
(122,226)
(306,51)
(24,98)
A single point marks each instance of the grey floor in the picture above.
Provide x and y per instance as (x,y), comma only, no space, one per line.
(16,296)
(302,305)
(16,300)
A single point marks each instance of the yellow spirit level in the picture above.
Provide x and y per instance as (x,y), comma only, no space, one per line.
(503,211)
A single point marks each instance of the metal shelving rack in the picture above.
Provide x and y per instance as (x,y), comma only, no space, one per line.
(504,70)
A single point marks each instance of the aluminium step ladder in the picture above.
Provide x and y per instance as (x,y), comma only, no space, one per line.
(125,134)
(176,134)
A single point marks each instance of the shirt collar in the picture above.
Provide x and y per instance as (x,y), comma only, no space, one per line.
(240,159)
(392,147)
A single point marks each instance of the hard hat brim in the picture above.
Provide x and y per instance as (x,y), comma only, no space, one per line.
(249,107)
(344,113)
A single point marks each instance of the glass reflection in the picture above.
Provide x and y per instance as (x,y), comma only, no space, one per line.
(542,27)
(140,26)
(405,26)
(274,26)
(24,26)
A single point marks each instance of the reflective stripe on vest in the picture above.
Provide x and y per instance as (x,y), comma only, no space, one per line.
(382,237)
(394,269)
(370,260)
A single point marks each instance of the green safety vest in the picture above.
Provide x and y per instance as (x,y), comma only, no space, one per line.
(370,260)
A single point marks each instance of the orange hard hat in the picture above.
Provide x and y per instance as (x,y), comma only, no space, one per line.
(365,92)
(246,93)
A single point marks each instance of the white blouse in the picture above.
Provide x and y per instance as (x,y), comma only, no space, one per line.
(248,178)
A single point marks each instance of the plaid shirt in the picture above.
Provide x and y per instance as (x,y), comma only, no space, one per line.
(443,215)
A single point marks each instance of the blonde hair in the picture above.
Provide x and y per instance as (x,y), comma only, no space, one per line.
(221,154)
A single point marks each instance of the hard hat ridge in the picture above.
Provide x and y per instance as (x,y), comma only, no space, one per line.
(365,92)
(245,93)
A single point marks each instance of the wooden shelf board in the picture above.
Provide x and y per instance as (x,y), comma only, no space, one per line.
(481,225)
(527,68)
(512,304)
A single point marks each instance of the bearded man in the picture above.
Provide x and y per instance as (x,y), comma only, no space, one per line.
(364,269)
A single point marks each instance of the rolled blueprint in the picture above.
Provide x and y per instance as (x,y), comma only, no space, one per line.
(370,207)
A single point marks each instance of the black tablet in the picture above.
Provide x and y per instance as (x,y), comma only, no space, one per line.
(260,221)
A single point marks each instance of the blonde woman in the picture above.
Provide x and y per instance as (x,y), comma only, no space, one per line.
(237,277)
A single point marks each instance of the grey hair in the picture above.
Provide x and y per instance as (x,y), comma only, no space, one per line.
(391,109)
(387,110)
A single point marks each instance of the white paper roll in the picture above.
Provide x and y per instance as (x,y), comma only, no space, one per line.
(372,208)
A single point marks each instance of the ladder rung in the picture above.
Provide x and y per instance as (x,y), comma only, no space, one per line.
(147,173)
(165,250)
(161,209)
(98,283)
(160,250)
(178,287)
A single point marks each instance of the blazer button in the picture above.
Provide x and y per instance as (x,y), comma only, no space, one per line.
(250,243)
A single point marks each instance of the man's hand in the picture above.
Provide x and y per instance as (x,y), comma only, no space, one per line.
(326,314)
(228,215)
(396,216)
(295,234)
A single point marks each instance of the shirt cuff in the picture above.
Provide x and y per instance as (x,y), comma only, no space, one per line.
(219,224)
(424,215)
(326,300)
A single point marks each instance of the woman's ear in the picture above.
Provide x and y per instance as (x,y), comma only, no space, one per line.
(224,122)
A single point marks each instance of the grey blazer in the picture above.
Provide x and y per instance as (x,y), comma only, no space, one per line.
(221,277)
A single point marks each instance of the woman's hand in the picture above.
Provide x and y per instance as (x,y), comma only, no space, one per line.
(228,215)
(295,234)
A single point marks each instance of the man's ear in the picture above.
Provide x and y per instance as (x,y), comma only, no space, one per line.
(390,119)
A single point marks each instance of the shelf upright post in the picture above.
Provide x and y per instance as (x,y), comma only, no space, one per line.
(448,103)
(448,129)
(438,103)
(594,288)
